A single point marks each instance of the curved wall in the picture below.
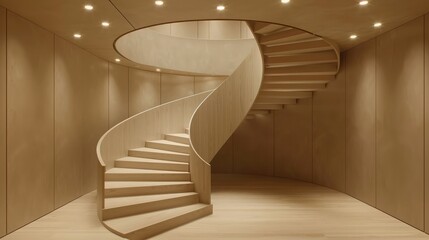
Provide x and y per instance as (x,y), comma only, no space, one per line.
(209,57)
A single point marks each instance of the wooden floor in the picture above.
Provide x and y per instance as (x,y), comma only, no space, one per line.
(245,207)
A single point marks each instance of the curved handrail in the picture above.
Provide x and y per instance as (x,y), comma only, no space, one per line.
(219,116)
(136,130)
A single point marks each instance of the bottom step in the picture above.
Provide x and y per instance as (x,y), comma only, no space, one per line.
(146,225)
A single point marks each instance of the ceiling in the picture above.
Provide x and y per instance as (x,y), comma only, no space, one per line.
(335,20)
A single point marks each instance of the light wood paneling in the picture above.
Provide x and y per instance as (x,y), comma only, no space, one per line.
(360,122)
(81,112)
(293,140)
(427,123)
(329,134)
(203,84)
(2,121)
(144,90)
(221,30)
(118,94)
(223,162)
(203,29)
(185,29)
(30,117)
(400,130)
(253,146)
(175,86)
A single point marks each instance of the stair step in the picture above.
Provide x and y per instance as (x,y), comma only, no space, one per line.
(126,206)
(132,174)
(315,69)
(178,137)
(158,154)
(168,146)
(299,79)
(154,164)
(146,225)
(289,35)
(301,59)
(294,48)
(187,131)
(266,28)
(293,87)
(127,188)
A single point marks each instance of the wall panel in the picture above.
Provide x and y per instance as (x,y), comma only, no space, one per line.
(293,141)
(2,121)
(144,90)
(185,29)
(400,130)
(118,94)
(427,123)
(203,84)
(253,146)
(81,112)
(329,134)
(360,122)
(203,29)
(175,87)
(30,117)
(222,30)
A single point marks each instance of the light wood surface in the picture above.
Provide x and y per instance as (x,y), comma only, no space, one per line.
(3,92)
(144,90)
(329,134)
(426,123)
(293,140)
(203,84)
(175,87)
(30,117)
(81,118)
(118,94)
(400,128)
(360,122)
(281,209)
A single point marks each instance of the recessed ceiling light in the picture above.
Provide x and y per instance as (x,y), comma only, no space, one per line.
(77,35)
(378,24)
(353,36)
(285,1)
(88,7)
(159,3)
(158,70)
(117,60)
(220,7)
(363,3)
(105,24)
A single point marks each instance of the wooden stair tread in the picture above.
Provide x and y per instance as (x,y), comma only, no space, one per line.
(182,135)
(141,171)
(154,150)
(126,184)
(148,160)
(128,225)
(167,142)
(116,202)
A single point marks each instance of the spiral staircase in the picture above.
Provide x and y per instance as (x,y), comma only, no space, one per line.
(154,171)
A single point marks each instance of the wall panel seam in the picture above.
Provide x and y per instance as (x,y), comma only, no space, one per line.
(6,115)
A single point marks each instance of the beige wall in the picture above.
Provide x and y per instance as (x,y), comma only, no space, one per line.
(329,133)
(427,123)
(360,122)
(400,128)
(60,100)
(30,121)
(293,139)
(2,121)
(175,87)
(118,94)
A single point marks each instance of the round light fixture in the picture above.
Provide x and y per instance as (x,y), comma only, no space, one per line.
(353,36)
(105,24)
(363,3)
(220,7)
(117,60)
(285,1)
(158,70)
(88,7)
(77,35)
(378,24)
(159,3)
